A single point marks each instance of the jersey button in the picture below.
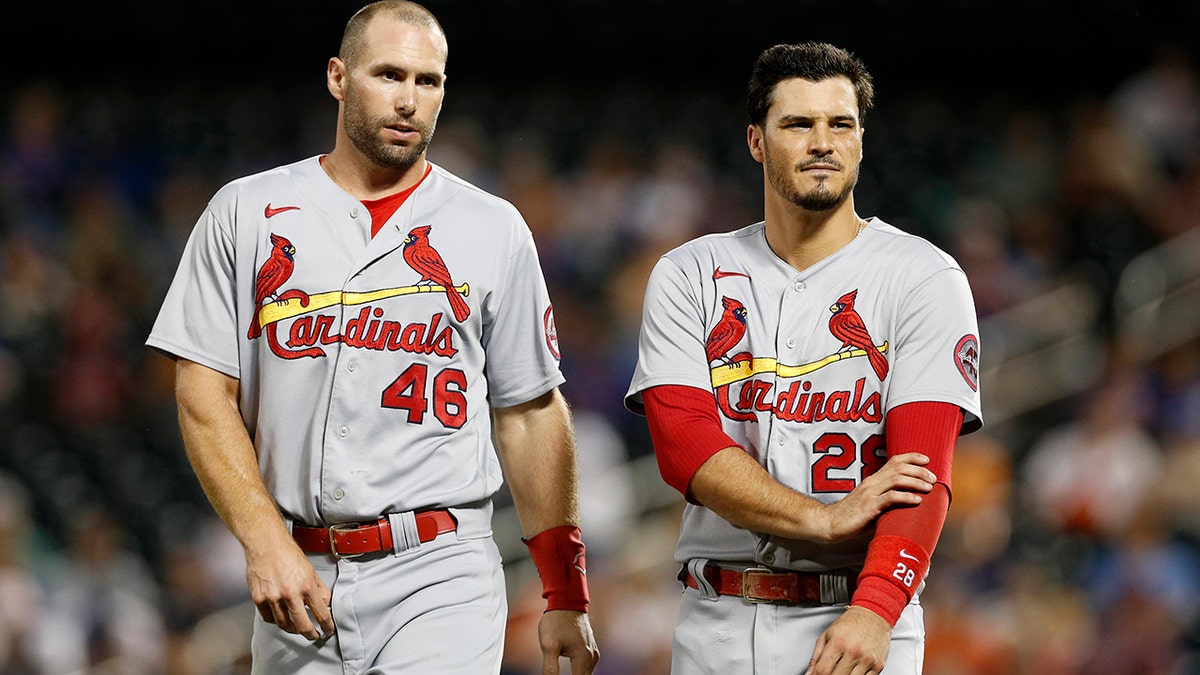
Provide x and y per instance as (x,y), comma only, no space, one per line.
(343,431)
(799,286)
(354,212)
(351,366)
(791,343)
(338,494)
(769,558)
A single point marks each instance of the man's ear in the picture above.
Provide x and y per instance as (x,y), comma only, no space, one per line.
(754,140)
(336,74)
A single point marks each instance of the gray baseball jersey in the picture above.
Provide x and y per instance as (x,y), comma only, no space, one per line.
(367,364)
(788,356)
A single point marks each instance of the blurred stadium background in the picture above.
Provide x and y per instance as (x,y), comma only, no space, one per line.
(1052,148)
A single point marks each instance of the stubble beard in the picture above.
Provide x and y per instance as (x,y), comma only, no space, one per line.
(363,131)
(819,198)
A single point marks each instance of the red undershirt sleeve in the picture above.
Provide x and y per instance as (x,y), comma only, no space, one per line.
(685,430)
(905,537)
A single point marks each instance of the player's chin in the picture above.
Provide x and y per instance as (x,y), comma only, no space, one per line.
(819,201)
(397,156)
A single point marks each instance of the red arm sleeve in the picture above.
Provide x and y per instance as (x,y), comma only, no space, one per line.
(685,430)
(931,429)
(898,557)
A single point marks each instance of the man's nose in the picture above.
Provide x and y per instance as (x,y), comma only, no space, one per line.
(821,141)
(406,98)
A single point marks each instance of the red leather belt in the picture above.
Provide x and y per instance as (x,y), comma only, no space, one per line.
(355,539)
(764,585)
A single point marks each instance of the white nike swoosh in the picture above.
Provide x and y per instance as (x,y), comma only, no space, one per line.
(903,554)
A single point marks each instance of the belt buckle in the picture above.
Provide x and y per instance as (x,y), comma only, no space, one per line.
(343,527)
(750,573)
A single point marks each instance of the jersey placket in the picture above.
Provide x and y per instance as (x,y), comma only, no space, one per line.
(343,432)
(792,339)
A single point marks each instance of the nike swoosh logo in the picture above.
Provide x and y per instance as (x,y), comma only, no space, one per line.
(904,554)
(576,565)
(721,274)
(268,212)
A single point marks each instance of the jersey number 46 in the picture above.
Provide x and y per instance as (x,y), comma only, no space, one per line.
(449,399)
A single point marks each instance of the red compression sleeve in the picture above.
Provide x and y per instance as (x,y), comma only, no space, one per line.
(685,431)
(898,557)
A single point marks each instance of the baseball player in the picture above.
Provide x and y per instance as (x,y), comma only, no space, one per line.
(805,379)
(351,332)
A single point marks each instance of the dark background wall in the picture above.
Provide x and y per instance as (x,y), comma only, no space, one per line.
(1049,46)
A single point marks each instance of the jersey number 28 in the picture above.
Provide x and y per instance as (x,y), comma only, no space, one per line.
(838,452)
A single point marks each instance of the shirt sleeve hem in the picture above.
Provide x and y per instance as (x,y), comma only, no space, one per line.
(175,352)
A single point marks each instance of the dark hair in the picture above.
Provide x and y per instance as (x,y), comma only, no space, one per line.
(400,10)
(813,61)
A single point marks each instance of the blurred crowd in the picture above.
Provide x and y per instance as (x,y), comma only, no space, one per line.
(1073,542)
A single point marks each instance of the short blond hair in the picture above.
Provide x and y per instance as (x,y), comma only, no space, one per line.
(404,11)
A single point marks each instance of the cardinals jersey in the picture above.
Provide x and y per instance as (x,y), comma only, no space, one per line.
(800,391)
(366,374)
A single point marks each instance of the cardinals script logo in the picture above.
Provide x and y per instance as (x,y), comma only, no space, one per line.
(741,396)
(370,328)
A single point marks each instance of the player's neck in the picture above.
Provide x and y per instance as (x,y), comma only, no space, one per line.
(367,180)
(802,238)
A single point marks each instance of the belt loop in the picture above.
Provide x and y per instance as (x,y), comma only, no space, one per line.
(404,530)
(835,589)
(695,567)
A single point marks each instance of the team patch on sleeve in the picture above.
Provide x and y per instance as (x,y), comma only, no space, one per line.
(551,332)
(966,357)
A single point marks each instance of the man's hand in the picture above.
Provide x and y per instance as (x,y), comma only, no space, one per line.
(569,634)
(284,587)
(900,482)
(856,643)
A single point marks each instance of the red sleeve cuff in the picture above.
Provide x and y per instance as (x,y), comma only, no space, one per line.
(885,599)
(928,427)
(685,429)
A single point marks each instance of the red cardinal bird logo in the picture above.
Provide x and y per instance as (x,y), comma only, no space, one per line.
(728,331)
(273,273)
(847,326)
(428,263)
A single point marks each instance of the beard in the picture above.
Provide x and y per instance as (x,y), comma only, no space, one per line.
(363,131)
(821,197)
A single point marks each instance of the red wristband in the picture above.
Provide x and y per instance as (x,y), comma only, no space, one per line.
(894,570)
(559,555)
